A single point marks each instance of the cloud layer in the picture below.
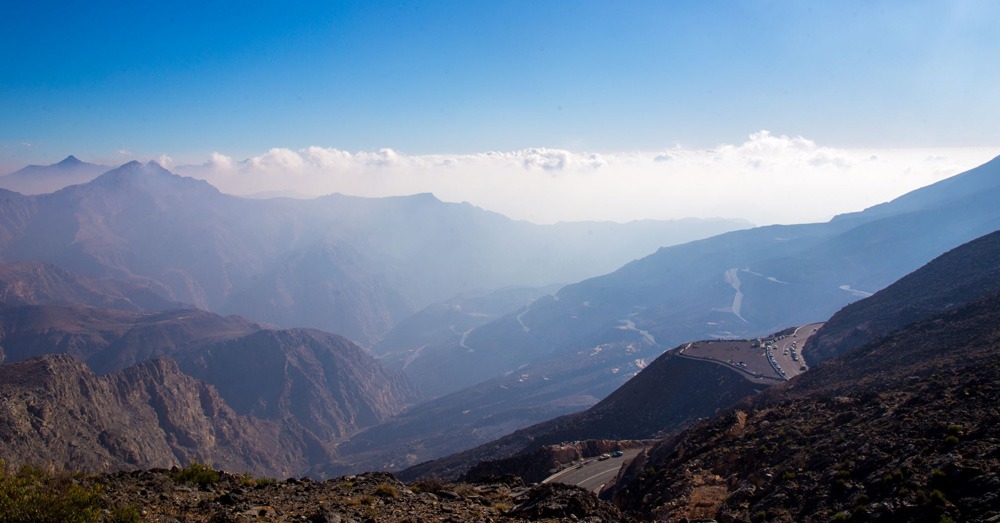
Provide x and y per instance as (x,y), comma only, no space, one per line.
(767,179)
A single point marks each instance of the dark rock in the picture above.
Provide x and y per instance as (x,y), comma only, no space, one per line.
(552,500)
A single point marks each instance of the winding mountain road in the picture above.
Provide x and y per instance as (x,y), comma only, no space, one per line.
(594,474)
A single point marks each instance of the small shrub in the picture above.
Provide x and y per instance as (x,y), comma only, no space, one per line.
(788,475)
(896,476)
(254,482)
(464,490)
(35,496)
(125,514)
(841,516)
(386,491)
(937,478)
(197,473)
(951,439)
(936,497)
(432,484)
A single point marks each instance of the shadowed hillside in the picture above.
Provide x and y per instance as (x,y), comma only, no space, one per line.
(964,274)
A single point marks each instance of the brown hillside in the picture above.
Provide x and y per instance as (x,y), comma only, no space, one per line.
(903,429)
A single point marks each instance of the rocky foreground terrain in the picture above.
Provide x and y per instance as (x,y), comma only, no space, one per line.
(201,494)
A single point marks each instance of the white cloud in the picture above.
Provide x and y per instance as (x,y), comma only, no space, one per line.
(558,159)
(766,179)
(219,162)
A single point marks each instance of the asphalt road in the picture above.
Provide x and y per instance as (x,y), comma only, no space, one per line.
(784,360)
(593,475)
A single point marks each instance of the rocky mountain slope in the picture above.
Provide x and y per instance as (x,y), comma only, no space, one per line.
(109,340)
(311,388)
(35,283)
(58,412)
(901,428)
(959,276)
(350,265)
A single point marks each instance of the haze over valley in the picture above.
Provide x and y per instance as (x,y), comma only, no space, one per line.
(454,262)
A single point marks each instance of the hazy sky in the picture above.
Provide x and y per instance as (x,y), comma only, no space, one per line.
(458,93)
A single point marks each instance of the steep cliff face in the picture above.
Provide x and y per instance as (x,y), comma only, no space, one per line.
(56,411)
(319,381)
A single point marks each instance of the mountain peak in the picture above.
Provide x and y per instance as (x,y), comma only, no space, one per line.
(70,161)
(150,176)
(136,168)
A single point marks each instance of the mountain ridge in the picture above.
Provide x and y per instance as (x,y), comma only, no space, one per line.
(41,179)
(234,255)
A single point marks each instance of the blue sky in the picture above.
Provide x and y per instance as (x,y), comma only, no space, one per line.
(111,81)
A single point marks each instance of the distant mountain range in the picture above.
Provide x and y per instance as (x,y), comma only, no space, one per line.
(565,352)
(41,179)
(355,266)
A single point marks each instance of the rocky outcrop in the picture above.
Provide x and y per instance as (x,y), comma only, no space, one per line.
(56,412)
(563,502)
